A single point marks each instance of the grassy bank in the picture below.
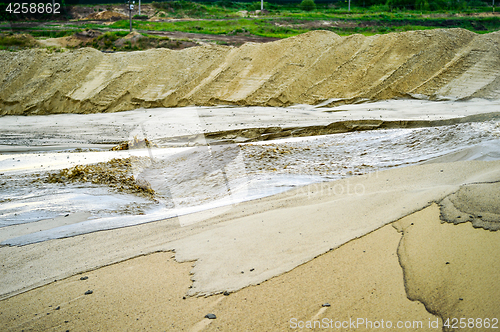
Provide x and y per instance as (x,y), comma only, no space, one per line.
(291,26)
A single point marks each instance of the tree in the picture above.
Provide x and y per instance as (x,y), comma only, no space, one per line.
(307,5)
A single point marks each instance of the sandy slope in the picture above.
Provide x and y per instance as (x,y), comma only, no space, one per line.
(308,68)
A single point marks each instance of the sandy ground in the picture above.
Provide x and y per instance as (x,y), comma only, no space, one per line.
(362,281)
(311,68)
(278,267)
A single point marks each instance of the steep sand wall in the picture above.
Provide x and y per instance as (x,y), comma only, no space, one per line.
(309,68)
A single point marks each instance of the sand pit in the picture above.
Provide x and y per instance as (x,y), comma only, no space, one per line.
(316,67)
(257,264)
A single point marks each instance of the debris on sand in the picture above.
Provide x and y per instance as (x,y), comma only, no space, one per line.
(116,173)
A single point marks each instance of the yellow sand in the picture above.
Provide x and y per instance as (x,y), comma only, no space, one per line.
(453,269)
(310,68)
(360,280)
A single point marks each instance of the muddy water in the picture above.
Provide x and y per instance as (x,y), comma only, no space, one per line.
(61,165)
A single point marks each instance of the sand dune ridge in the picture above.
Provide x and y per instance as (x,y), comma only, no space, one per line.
(315,67)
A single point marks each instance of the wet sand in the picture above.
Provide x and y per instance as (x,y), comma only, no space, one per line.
(362,281)
(450,269)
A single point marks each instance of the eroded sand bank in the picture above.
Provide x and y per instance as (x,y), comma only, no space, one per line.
(315,67)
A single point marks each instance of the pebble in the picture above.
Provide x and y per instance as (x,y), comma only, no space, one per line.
(89,292)
(84,278)
(326,305)
(210,316)
(226,293)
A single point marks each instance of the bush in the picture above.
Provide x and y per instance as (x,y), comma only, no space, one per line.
(140,17)
(225,3)
(307,5)
(380,8)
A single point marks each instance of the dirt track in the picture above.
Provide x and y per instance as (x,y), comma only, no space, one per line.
(310,68)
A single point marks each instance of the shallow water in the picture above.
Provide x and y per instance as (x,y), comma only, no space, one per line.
(189,175)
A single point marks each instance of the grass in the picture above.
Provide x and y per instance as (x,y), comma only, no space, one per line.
(223,17)
(257,27)
(280,27)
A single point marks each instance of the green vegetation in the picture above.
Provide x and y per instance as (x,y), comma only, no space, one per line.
(14,42)
(227,8)
(307,5)
(225,17)
(279,27)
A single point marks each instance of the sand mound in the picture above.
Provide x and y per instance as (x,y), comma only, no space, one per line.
(132,37)
(71,41)
(107,15)
(310,68)
(477,203)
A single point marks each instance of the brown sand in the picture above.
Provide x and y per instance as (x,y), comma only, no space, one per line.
(477,203)
(361,279)
(309,68)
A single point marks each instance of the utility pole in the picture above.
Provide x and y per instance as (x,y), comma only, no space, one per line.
(139,7)
(349,6)
(262,5)
(130,5)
